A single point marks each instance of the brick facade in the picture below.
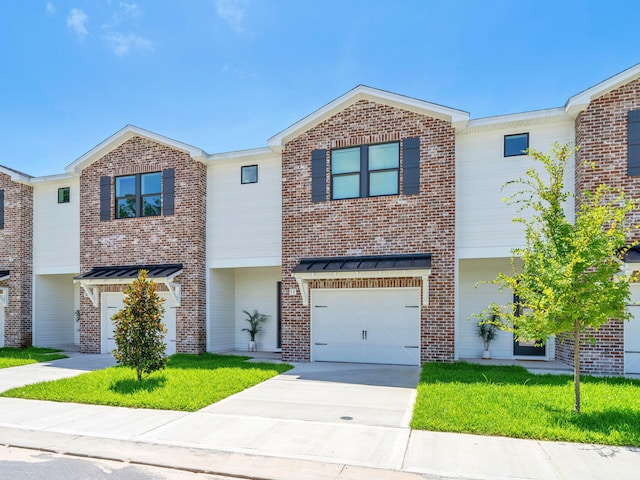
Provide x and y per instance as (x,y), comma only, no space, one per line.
(16,255)
(178,238)
(601,134)
(397,224)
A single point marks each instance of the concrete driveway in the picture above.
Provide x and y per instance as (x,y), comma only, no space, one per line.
(317,411)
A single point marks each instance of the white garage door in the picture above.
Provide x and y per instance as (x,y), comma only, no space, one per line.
(112,302)
(379,325)
(632,335)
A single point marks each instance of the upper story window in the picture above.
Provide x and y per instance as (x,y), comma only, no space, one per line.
(249,174)
(365,171)
(139,195)
(516,144)
(64,195)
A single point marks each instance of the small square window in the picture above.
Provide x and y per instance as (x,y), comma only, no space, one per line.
(516,144)
(64,195)
(249,174)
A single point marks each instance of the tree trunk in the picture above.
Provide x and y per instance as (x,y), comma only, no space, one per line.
(576,364)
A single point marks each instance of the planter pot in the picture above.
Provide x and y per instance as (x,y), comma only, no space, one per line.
(486,355)
(252,346)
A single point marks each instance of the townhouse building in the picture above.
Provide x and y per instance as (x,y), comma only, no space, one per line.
(364,231)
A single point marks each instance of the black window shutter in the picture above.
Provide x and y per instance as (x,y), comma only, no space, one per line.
(319,176)
(411,165)
(633,143)
(105,199)
(168,190)
(1,209)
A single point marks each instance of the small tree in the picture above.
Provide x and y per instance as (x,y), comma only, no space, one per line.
(139,331)
(570,280)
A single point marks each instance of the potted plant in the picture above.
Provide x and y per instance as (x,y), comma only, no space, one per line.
(255,319)
(488,332)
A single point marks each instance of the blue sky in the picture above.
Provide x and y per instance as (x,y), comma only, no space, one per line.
(226,75)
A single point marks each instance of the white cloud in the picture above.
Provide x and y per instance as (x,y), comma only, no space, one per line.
(77,21)
(232,12)
(51,10)
(129,10)
(123,44)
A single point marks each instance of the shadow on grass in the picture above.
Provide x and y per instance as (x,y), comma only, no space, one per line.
(607,422)
(210,361)
(132,385)
(30,352)
(471,373)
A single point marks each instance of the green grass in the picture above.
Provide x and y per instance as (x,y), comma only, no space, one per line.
(510,401)
(14,357)
(189,383)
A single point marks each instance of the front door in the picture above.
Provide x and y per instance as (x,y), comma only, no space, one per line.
(526,347)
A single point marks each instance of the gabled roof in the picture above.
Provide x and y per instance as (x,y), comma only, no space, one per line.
(580,102)
(458,118)
(15,175)
(121,136)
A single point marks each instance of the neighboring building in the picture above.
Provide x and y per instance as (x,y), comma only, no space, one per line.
(361,230)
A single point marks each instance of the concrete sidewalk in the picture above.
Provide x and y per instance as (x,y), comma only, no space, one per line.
(316,421)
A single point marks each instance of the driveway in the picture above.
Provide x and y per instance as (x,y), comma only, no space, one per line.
(358,414)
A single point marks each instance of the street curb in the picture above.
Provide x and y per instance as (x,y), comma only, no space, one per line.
(197,460)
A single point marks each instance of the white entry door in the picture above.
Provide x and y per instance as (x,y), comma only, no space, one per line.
(380,325)
(113,302)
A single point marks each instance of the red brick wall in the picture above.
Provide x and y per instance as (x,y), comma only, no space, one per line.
(601,134)
(397,224)
(16,255)
(178,238)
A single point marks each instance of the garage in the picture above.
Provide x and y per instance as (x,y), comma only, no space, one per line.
(112,302)
(369,325)
(632,334)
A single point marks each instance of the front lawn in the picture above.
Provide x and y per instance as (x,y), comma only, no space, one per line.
(510,401)
(189,383)
(14,357)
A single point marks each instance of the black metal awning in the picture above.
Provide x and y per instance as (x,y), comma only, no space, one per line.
(130,272)
(4,274)
(632,255)
(364,263)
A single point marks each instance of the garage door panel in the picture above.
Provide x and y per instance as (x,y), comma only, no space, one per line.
(366,325)
(113,302)
(632,342)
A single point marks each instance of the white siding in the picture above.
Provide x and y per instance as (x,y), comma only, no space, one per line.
(222,309)
(244,221)
(256,289)
(54,311)
(484,227)
(56,228)
(474,297)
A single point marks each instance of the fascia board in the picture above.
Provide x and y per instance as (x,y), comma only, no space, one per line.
(580,102)
(121,136)
(243,155)
(457,117)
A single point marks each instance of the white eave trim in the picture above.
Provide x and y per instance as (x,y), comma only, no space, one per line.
(303,279)
(92,291)
(578,103)
(121,136)
(458,118)
(18,177)
(517,120)
(243,155)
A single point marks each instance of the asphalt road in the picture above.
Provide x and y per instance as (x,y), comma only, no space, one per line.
(22,464)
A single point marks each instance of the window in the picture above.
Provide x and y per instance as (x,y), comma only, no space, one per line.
(516,144)
(139,195)
(64,195)
(249,174)
(365,171)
